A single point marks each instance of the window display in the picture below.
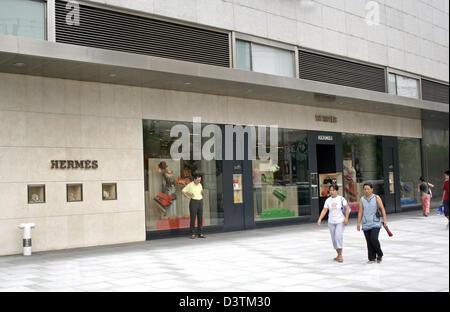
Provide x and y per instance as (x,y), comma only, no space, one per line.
(166,207)
(36,194)
(410,165)
(237,188)
(74,192)
(362,162)
(328,179)
(109,191)
(282,190)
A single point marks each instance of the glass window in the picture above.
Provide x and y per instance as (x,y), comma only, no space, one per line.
(403,86)
(74,192)
(392,84)
(243,57)
(24,18)
(363,162)
(436,155)
(36,194)
(166,207)
(109,191)
(282,190)
(273,61)
(407,87)
(410,171)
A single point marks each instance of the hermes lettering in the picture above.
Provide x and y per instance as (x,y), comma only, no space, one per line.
(330,119)
(74,164)
(325,138)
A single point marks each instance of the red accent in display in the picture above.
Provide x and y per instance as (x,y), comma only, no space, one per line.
(175,223)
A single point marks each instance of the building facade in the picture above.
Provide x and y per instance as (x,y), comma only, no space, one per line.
(90,92)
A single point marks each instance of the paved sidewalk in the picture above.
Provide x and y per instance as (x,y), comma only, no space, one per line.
(286,259)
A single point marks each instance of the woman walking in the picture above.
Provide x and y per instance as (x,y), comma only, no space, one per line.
(424,189)
(369,205)
(337,220)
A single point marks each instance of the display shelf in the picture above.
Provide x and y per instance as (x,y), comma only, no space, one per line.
(109,191)
(74,192)
(36,194)
(326,180)
(237,188)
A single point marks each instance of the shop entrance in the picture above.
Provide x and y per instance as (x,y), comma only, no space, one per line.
(238,192)
(325,163)
(392,185)
(326,168)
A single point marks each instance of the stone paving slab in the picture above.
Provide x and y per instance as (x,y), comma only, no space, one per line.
(295,258)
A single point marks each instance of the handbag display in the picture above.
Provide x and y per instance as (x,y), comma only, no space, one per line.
(163,200)
(280,194)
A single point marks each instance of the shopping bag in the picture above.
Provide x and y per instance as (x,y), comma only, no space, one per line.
(440,211)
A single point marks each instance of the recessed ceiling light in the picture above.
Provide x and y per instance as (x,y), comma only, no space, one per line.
(113,75)
(187,83)
(19,64)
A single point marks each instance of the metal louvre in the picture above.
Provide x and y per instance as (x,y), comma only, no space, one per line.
(105,29)
(434,91)
(331,70)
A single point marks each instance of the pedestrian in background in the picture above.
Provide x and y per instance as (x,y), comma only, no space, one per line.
(425,194)
(337,220)
(445,195)
(371,209)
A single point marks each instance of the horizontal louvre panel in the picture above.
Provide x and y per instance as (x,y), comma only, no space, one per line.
(100,28)
(433,91)
(330,70)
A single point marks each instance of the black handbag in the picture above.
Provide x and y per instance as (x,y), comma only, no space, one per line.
(378,213)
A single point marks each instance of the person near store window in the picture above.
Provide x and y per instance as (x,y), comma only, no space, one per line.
(369,205)
(424,188)
(194,191)
(445,200)
(337,220)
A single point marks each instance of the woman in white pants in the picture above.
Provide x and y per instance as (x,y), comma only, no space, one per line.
(337,220)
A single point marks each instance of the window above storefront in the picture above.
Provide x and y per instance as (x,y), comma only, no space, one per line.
(264,59)
(23,18)
(403,86)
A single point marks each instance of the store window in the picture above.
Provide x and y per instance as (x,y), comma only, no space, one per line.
(264,59)
(410,168)
(282,190)
(363,163)
(23,18)
(109,191)
(36,194)
(166,207)
(403,86)
(436,155)
(74,192)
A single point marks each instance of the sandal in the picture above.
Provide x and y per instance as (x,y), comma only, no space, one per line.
(379,260)
(192,236)
(202,236)
(338,259)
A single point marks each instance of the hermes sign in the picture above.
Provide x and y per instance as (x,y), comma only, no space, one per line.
(331,119)
(74,164)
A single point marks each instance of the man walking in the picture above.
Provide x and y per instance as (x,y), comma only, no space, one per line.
(194,191)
